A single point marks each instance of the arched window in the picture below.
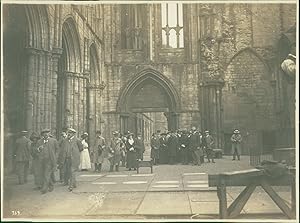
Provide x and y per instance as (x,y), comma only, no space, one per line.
(132,23)
(172,25)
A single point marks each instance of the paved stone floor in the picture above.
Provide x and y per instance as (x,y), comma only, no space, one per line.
(171,192)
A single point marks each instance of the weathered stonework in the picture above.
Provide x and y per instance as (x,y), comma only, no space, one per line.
(72,71)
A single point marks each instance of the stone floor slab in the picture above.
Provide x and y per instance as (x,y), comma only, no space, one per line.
(118,204)
(159,203)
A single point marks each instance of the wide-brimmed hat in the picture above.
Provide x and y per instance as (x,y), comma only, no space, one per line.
(71,130)
(24,132)
(45,131)
(236,131)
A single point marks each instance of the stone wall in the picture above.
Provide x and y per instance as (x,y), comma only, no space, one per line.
(93,89)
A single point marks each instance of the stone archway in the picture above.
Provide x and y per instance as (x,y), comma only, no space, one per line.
(26,48)
(71,81)
(148,91)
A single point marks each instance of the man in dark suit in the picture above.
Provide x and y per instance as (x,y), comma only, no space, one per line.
(47,148)
(71,148)
(195,146)
(173,145)
(184,142)
(22,157)
(140,147)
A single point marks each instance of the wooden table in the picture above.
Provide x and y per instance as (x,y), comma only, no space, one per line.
(251,179)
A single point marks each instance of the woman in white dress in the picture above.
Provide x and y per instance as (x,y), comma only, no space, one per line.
(85,161)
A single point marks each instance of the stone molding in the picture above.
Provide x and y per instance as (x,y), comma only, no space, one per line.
(97,86)
(71,74)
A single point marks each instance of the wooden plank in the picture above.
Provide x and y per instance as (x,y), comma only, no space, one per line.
(293,197)
(240,180)
(222,199)
(238,204)
(244,173)
(277,199)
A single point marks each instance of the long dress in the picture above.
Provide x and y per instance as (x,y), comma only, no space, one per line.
(131,154)
(85,161)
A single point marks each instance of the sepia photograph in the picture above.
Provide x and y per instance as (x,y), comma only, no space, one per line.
(146,111)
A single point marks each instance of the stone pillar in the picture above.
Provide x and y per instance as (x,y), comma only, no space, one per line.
(94,108)
(31,69)
(56,53)
(124,119)
(214,111)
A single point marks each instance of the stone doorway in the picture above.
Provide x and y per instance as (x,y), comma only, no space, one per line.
(149,92)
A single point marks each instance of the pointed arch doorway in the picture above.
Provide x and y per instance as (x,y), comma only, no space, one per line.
(148,92)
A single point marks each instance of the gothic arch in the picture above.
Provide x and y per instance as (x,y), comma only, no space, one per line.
(94,64)
(250,51)
(156,77)
(71,45)
(38,27)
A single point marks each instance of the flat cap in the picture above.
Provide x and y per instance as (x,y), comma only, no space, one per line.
(45,130)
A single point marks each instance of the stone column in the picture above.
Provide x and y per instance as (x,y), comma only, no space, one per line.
(124,119)
(56,53)
(214,111)
(31,69)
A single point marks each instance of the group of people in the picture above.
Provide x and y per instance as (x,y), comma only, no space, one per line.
(182,146)
(70,154)
(48,154)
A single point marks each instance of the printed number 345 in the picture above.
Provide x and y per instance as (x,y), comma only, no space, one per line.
(15,213)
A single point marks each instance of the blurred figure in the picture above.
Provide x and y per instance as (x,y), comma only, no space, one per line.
(184,142)
(131,152)
(123,151)
(236,140)
(155,145)
(22,157)
(163,149)
(173,145)
(72,147)
(116,146)
(64,136)
(85,161)
(201,149)
(208,142)
(195,145)
(97,151)
(140,147)
(47,148)
(36,161)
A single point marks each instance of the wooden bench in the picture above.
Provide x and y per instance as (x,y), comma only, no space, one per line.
(144,163)
(251,179)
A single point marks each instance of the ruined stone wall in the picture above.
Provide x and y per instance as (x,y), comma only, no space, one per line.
(252,90)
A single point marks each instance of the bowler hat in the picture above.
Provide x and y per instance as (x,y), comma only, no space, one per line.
(236,131)
(24,132)
(206,131)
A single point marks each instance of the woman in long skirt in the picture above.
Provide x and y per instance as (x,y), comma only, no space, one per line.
(85,161)
(131,152)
